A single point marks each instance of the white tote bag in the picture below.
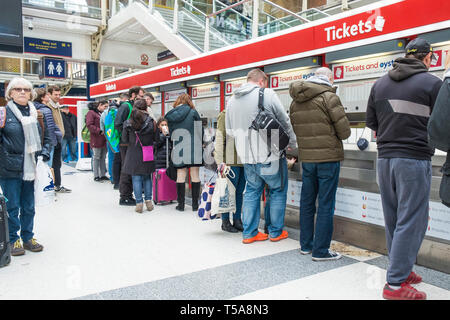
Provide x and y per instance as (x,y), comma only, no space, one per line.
(44,189)
(224,196)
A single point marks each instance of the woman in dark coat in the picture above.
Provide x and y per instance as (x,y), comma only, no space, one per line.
(139,131)
(186,133)
(21,141)
(98,140)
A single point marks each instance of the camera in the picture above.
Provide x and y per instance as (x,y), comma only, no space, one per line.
(30,25)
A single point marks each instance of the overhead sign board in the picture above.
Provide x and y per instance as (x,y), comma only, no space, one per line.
(212,90)
(381,24)
(47,47)
(283,80)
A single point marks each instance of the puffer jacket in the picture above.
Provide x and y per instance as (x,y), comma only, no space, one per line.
(319,122)
(12,145)
(53,130)
(161,152)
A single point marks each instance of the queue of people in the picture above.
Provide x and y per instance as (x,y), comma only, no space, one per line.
(399,107)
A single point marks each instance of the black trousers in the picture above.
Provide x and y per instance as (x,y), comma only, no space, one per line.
(56,165)
(126,182)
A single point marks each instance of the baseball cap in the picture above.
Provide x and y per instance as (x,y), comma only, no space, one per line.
(420,45)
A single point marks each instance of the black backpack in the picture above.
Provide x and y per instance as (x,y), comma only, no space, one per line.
(266,125)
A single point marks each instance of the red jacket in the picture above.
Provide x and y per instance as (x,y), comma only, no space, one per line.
(93,123)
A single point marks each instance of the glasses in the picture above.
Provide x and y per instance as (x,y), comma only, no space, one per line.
(22,89)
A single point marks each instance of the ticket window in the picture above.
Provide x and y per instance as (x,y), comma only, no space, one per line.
(206,99)
(231,86)
(156,108)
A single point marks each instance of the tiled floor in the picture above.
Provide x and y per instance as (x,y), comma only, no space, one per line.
(96,249)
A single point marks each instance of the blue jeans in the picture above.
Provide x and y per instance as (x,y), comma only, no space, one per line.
(72,143)
(319,179)
(20,206)
(273,174)
(239,183)
(142,182)
(50,160)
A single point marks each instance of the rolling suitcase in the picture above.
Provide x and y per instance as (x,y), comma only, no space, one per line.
(5,246)
(164,188)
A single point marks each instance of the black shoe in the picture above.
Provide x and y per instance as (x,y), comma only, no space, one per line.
(180,196)
(237,224)
(104,178)
(116,187)
(195,195)
(228,227)
(97,179)
(127,202)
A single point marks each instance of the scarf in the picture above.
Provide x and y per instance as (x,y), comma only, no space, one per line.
(55,107)
(32,139)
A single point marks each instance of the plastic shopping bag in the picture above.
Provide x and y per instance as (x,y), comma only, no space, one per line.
(224,196)
(44,189)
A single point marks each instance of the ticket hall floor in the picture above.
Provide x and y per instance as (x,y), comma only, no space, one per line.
(96,249)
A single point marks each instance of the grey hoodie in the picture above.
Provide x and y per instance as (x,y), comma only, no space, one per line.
(242,109)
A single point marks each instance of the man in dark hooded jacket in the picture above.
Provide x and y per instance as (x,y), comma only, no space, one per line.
(398,109)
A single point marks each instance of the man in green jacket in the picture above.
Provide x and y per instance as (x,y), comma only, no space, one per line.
(320,124)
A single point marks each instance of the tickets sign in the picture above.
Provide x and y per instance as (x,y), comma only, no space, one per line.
(206,91)
(233,85)
(283,80)
(173,95)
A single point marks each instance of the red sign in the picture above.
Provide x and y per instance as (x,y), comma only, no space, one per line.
(383,21)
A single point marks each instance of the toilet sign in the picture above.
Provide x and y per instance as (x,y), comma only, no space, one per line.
(52,68)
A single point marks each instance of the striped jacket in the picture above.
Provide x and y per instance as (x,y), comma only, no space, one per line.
(399,106)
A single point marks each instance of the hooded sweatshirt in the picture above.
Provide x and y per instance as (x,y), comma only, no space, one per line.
(242,109)
(399,106)
(319,120)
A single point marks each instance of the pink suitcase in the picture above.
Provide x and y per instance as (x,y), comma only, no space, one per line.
(164,188)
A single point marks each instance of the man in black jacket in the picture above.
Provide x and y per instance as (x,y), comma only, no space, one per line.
(123,113)
(70,134)
(399,107)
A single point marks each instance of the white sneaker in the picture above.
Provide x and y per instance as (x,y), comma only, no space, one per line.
(305,252)
(330,256)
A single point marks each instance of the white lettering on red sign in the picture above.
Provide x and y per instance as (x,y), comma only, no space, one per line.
(110,87)
(174,72)
(347,31)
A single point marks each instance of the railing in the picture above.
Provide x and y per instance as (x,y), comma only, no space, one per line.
(222,23)
(81,7)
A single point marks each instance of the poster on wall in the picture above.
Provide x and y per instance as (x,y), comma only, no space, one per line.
(367,207)
(83,164)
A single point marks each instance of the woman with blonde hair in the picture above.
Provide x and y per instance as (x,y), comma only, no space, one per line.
(186,132)
(21,140)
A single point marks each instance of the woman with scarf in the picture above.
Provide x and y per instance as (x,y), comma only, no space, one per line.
(21,142)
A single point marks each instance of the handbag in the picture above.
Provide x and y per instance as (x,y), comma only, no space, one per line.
(268,127)
(204,209)
(147,151)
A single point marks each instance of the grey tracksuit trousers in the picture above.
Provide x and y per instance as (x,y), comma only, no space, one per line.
(405,191)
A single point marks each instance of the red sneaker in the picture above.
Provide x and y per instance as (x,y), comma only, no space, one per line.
(406,292)
(413,278)
(283,235)
(259,237)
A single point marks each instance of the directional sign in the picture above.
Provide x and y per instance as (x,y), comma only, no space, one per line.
(52,68)
(47,47)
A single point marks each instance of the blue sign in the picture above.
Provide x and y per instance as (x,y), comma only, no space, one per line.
(47,47)
(53,68)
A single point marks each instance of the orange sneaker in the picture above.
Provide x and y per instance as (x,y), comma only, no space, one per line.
(282,236)
(259,237)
